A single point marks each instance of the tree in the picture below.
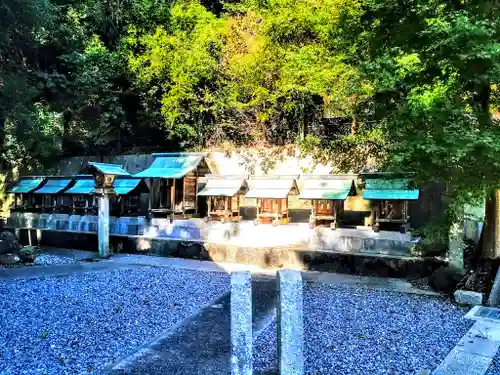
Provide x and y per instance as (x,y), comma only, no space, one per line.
(433,66)
(24,26)
(271,66)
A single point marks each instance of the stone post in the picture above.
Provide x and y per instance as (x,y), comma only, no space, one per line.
(241,323)
(290,317)
(103,226)
(456,245)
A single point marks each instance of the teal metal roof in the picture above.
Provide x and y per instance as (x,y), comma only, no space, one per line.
(223,187)
(53,186)
(85,187)
(112,169)
(270,188)
(26,185)
(171,166)
(123,186)
(329,189)
(396,189)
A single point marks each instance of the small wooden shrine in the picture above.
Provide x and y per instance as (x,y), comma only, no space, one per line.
(127,201)
(173,180)
(390,197)
(223,197)
(82,197)
(52,194)
(327,194)
(24,199)
(271,194)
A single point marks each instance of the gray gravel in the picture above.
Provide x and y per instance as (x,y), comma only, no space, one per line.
(494,368)
(351,330)
(50,259)
(45,260)
(78,324)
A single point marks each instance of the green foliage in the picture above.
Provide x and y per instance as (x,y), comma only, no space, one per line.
(249,65)
(432,72)
(5,198)
(93,76)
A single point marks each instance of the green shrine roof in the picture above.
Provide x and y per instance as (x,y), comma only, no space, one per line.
(175,165)
(53,186)
(222,187)
(85,187)
(271,188)
(112,169)
(327,188)
(26,185)
(124,186)
(396,189)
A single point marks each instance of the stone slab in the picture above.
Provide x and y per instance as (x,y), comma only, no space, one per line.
(487,316)
(463,363)
(467,297)
(474,343)
(290,322)
(474,352)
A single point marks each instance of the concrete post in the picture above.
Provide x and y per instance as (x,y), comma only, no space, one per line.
(290,316)
(103,226)
(241,323)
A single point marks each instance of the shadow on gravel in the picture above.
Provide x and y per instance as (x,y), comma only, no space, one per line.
(201,344)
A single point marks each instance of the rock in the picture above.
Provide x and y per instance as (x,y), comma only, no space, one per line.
(467,297)
(8,259)
(189,249)
(9,243)
(471,282)
(28,254)
(445,279)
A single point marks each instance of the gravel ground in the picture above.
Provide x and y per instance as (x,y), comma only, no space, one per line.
(351,330)
(494,368)
(50,259)
(78,324)
(44,260)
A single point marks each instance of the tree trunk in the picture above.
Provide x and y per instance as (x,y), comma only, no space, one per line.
(2,140)
(491,246)
(488,249)
(354,126)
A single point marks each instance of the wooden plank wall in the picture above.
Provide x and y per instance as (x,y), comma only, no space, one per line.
(190,188)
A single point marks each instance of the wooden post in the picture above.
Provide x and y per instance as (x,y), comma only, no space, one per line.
(496,253)
(161,189)
(209,205)
(313,206)
(258,210)
(225,206)
(172,196)
(184,195)
(196,191)
(372,218)
(334,213)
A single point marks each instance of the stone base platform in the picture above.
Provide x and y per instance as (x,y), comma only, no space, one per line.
(295,246)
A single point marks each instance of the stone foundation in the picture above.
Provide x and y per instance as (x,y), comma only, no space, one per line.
(293,246)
